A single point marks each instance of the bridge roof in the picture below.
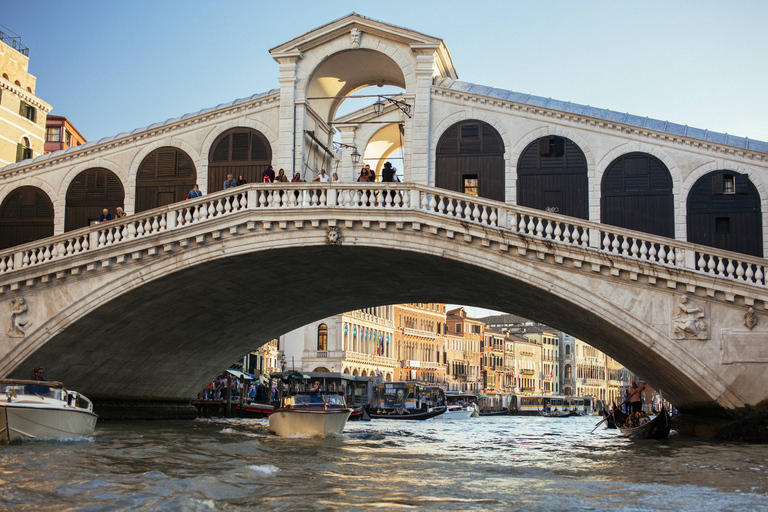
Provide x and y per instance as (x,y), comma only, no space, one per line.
(604,113)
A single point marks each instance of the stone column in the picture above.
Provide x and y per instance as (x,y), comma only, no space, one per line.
(417,129)
(347,170)
(288,121)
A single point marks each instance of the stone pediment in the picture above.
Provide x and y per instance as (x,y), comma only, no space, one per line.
(342,28)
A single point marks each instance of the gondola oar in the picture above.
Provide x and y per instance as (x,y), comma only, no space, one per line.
(605,419)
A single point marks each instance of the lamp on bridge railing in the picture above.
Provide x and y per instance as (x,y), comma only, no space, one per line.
(378,107)
(354,155)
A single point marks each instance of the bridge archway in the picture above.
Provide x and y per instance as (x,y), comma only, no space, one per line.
(636,193)
(238,151)
(469,158)
(164,176)
(552,176)
(26,214)
(89,193)
(724,211)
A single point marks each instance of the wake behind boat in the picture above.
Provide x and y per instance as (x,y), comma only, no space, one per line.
(35,409)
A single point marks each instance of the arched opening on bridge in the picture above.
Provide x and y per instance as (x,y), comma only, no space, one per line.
(25,215)
(637,194)
(552,176)
(240,152)
(165,176)
(724,212)
(89,193)
(470,159)
(386,144)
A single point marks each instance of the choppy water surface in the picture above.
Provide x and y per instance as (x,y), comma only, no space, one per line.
(494,463)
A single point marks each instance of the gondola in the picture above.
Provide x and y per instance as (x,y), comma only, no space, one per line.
(437,411)
(657,428)
(615,418)
(557,414)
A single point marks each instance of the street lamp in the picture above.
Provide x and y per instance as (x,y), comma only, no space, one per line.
(378,107)
(355,156)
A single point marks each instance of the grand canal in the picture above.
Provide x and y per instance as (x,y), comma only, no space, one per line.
(499,463)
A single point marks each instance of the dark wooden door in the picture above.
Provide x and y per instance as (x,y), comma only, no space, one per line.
(89,193)
(552,176)
(724,212)
(470,159)
(636,193)
(165,176)
(239,152)
(26,215)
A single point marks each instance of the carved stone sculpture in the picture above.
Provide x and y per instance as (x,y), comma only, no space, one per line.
(20,321)
(750,318)
(333,236)
(355,33)
(690,321)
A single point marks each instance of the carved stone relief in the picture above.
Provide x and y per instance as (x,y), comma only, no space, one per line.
(689,319)
(20,321)
(750,318)
(355,34)
(333,236)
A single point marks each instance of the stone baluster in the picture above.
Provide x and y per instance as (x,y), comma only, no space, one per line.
(567,234)
(494,218)
(226,207)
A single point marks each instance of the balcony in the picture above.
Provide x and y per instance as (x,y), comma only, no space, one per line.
(419,333)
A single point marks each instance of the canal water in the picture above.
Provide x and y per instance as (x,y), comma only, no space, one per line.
(488,463)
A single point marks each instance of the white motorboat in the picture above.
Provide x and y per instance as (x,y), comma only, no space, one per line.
(31,409)
(315,412)
(457,412)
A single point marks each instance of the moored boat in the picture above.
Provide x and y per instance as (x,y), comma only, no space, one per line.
(254,410)
(408,414)
(559,414)
(656,428)
(457,412)
(40,409)
(503,412)
(407,400)
(309,410)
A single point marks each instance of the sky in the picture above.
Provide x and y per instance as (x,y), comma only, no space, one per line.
(111,67)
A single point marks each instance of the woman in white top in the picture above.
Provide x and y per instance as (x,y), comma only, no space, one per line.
(322,177)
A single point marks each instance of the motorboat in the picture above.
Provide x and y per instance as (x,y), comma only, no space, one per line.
(307,409)
(32,409)
(407,414)
(407,400)
(457,412)
(559,414)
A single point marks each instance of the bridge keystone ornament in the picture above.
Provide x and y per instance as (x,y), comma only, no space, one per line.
(333,236)
(689,321)
(20,321)
(750,318)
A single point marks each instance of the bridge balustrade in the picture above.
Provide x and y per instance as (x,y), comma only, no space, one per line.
(392,196)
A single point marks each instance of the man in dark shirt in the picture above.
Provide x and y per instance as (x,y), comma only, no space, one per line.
(105,215)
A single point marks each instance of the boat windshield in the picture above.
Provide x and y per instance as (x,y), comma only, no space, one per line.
(318,398)
(20,390)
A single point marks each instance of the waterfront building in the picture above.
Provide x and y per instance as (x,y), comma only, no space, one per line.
(420,342)
(528,366)
(22,113)
(471,330)
(457,362)
(550,357)
(589,372)
(262,361)
(492,361)
(60,134)
(359,342)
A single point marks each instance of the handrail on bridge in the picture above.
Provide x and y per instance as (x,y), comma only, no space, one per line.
(527,222)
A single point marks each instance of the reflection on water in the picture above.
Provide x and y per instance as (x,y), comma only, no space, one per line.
(488,463)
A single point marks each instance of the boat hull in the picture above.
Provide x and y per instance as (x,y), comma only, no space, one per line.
(411,417)
(657,428)
(460,414)
(42,422)
(286,422)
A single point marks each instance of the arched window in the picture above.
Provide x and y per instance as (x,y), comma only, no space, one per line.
(552,176)
(239,152)
(89,193)
(322,337)
(470,159)
(637,194)
(165,176)
(23,151)
(724,212)
(26,214)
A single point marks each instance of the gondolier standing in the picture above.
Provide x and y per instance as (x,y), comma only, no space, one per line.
(636,397)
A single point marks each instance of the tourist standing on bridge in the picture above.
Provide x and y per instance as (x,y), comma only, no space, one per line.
(269,175)
(296,178)
(281,177)
(195,192)
(636,397)
(229,182)
(119,213)
(241,180)
(322,177)
(105,215)
(388,173)
(371,173)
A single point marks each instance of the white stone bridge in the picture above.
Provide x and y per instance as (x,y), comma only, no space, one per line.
(152,306)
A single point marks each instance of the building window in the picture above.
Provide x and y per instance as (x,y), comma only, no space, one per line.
(23,151)
(28,111)
(68,138)
(729,184)
(322,337)
(458,328)
(53,134)
(470,184)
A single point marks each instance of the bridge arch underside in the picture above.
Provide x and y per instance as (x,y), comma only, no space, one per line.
(158,334)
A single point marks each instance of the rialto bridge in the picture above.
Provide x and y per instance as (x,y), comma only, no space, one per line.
(592,221)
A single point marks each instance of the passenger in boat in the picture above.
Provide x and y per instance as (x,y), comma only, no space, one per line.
(315,388)
(644,418)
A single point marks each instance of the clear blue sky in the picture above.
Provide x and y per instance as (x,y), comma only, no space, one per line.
(112,67)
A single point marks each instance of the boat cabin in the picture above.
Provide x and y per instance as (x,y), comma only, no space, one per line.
(407,395)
